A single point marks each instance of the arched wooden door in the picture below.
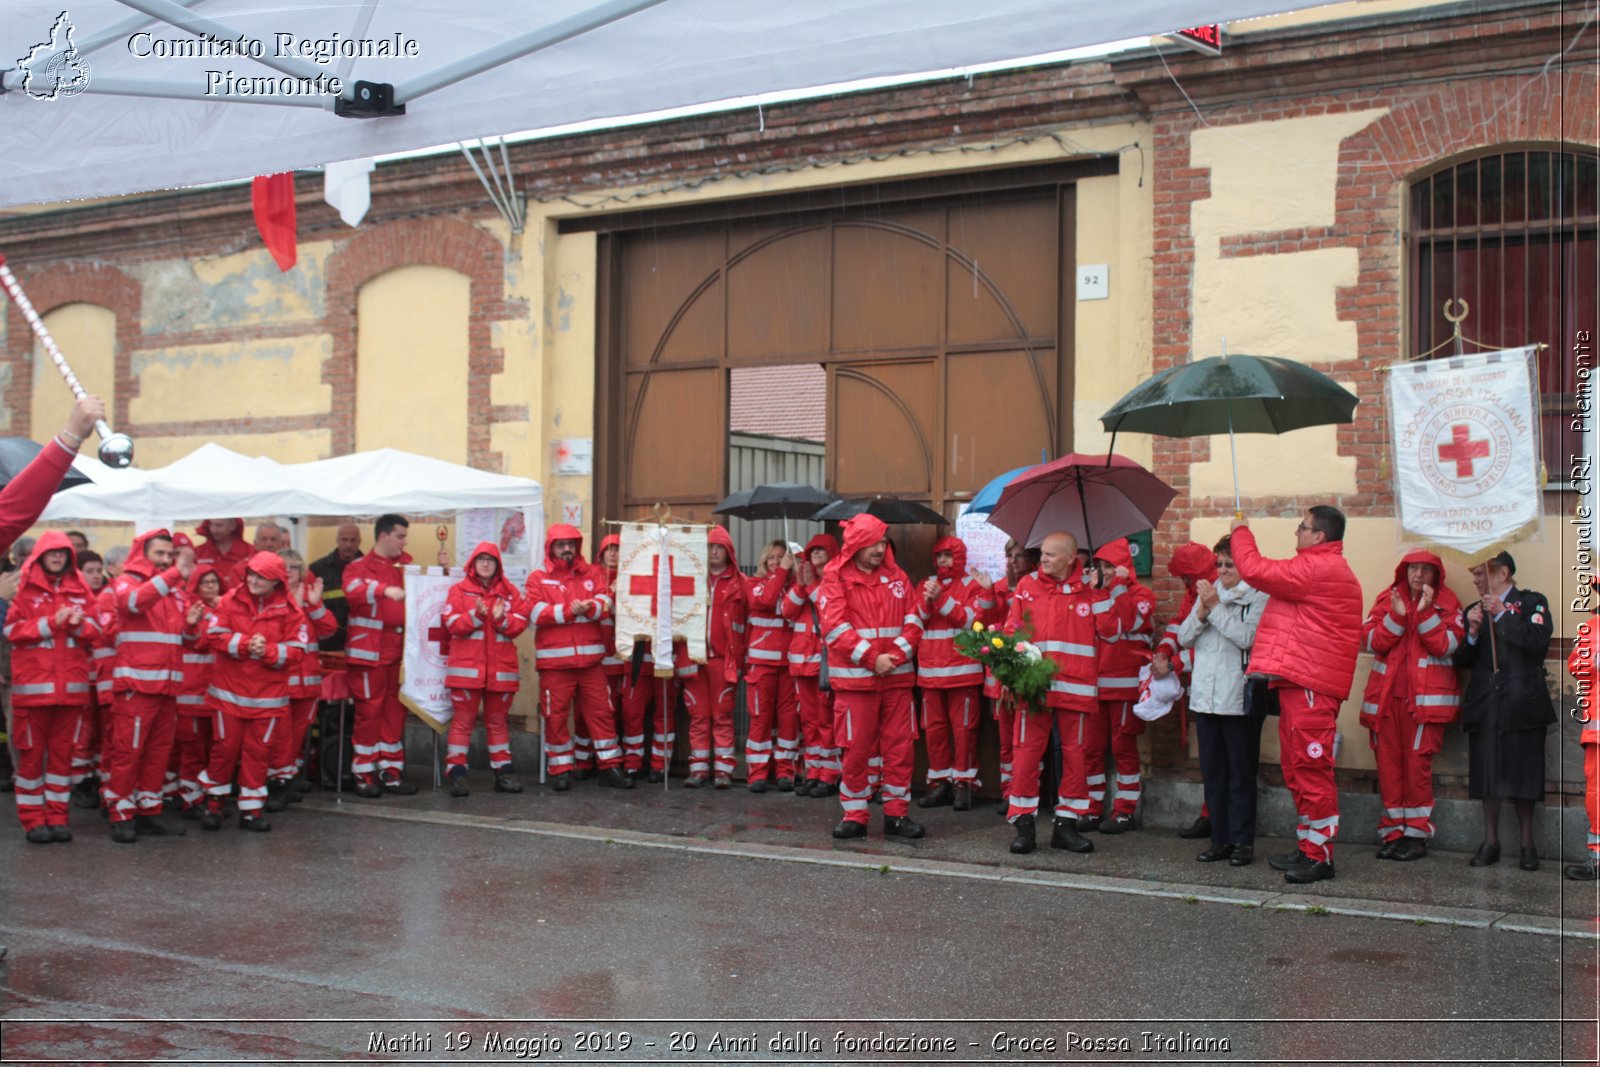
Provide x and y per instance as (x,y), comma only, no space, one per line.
(939,321)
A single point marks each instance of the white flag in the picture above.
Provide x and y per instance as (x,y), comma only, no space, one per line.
(1465,440)
(661,565)
(427,645)
(347,187)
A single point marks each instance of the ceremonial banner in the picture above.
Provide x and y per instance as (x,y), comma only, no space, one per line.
(427,644)
(661,566)
(1465,441)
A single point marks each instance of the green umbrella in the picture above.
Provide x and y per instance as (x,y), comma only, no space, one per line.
(1231,394)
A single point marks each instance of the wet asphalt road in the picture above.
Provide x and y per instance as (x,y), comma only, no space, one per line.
(353,926)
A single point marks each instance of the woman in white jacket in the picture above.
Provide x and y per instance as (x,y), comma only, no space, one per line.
(1221,628)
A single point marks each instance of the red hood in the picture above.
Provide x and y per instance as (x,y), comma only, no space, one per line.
(1192,562)
(138,563)
(199,572)
(861,532)
(497,585)
(600,553)
(719,535)
(1116,553)
(823,540)
(956,547)
(268,565)
(33,572)
(562,532)
(1442,596)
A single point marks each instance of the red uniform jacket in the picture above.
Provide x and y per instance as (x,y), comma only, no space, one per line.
(611,663)
(729,613)
(564,640)
(960,602)
(50,660)
(1125,622)
(150,624)
(483,652)
(29,493)
(1061,615)
(802,607)
(305,662)
(1411,654)
(767,649)
(230,564)
(1310,632)
(867,615)
(103,654)
(377,624)
(199,660)
(244,685)
(996,616)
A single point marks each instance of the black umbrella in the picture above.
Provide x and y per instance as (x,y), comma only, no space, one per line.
(780,500)
(1231,394)
(890,509)
(17,452)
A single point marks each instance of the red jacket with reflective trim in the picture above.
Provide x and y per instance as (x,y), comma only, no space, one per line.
(1581,664)
(150,624)
(611,663)
(802,607)
(1411,654)
(376,634)
(198,657)
(727,620)
(103,652)
(305,664)
(865,615)
(50,660)
(1125,621)
(564,640)
(1061,616)
(1310,632)
(959,603)
(242,684)
(483,651)
(766,648)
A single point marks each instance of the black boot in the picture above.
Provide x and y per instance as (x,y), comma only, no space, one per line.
(1065,835)
(123,832)
(504,783)
(397,785)
(902,827)
(458,783)
(848,829)
(212,819)
(937,797)
(1025,841)
(254,822)
(614,777)
(159,826)
(277,796)
(1201,827)
(86,794)
(963,801)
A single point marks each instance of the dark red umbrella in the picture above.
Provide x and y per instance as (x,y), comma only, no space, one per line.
(1094,500)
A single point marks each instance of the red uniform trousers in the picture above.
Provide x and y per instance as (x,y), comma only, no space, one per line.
(1405,750)
(43,738)
(464,714)
(709,697)
(1591,793)
(950,729)
(1031,742)
(583,692)
(816,725)
(1005,716)
(842,738)
(774,708)
(637,700)
(142,728)
(1117,724)
(192,743)
(86,756)
(289,742)
(379,732)
(632,701)
(1306,727)
(243,745)
(879,725)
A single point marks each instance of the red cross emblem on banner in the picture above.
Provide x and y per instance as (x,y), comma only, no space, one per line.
(646,584)
(1462,450)
(440,635)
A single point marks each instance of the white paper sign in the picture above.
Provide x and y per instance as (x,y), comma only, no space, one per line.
(516,531)
(424,684)
(986,544)
(1464,436)
(572,455)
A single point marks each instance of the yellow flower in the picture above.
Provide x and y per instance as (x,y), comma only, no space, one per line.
(977,627)
(996,642)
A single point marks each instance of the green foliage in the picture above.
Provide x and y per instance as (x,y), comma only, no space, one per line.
(1018,665)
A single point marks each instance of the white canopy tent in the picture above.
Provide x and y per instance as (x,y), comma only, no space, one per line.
(122,104)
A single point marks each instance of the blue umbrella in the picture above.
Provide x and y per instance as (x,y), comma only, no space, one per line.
(989,495)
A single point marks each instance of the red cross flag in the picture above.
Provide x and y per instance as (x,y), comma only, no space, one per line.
(1464,433)
(661,591)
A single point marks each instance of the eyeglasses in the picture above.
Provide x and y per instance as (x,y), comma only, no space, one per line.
(1224,564)
(1303,528)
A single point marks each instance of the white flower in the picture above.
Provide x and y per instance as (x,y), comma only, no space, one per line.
(1030,650)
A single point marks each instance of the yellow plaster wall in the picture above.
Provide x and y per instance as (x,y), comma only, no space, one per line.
(87,336)
(411,362)
(568,309)
(233,380)
(290,446)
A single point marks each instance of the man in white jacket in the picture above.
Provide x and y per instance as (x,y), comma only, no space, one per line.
(1220,629)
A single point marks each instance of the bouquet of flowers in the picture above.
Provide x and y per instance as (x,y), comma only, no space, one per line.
(1020,665)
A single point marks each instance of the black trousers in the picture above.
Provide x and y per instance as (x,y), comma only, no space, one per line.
(1230,751)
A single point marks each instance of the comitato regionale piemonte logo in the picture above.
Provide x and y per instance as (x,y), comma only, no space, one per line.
(54,68)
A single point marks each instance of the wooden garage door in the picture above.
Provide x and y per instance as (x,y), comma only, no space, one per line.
(937,320)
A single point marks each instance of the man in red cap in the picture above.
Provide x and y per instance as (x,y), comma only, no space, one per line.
(1190,564)
(709,692)
(801,606)
(375,590)
(870,625)
(150,601)
(566,601)
(951,683)
(1125,624)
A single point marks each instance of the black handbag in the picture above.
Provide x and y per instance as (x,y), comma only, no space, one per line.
(1259,697)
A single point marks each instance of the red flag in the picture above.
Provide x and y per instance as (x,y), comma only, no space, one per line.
(273,199)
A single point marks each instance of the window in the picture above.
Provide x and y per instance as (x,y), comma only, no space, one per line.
(1514,235)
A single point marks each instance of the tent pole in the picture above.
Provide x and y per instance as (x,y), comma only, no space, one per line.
(121,31)
(553,34)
